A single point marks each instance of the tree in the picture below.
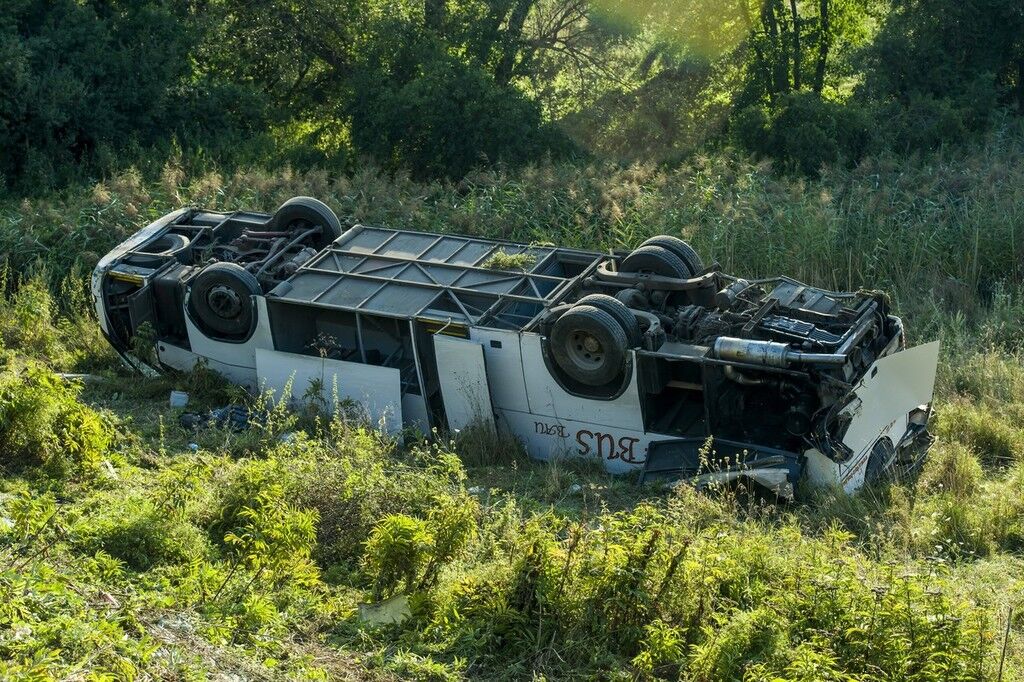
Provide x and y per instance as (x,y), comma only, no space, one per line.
(949,49)
(75,76)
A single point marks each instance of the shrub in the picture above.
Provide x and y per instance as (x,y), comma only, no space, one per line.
(661,647)
(51,324)
(355,479)
(805,132)
(396,551)
(484,444)
(421,109)
(248,480)
(743,640)
(43,424)
(141,534)
(413,551)
(941,67)
(80,84)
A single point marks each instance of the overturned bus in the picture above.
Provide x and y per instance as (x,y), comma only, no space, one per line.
(646,359)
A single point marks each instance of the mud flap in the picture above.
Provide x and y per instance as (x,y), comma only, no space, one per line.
(463,378)
(689,458)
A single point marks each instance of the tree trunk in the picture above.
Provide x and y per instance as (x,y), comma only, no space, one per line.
(777,51)
(1020,86)
(796,45)
(824,43)
(513,41)
(782,47)
(490,31)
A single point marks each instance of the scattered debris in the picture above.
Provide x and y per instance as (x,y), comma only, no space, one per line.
(179,399)
(234,417)
(87,378)
(393,610)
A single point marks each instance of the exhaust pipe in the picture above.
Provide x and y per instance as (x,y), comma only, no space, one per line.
(770,353)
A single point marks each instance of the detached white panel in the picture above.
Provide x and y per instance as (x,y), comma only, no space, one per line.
(894,386)
(463,378)
(377,389)
(549,399)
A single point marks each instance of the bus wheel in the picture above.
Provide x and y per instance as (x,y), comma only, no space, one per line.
(221,300)
(617,309)
(299,214)
(589,345)
(656,260)
(681,249)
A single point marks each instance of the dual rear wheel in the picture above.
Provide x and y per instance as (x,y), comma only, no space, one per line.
(665,256)
(590,342)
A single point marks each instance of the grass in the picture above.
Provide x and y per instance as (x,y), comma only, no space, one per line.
(502,260)
(136,549)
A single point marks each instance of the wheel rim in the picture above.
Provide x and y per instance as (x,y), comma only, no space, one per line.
(586,350)
(224,302)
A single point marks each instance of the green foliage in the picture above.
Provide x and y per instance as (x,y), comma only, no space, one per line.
(140,534)
(502,260)
(436,116)
(940,67)
(271,532)
(805,132)
(662,645)
(80,83)
(674,594)
(64,335)
(395,553)
(746,639)
(997,441)
(42,424)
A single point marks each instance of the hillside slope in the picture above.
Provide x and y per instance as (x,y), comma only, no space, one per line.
(132,548)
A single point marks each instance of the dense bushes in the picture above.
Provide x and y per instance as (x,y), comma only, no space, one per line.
(940,68)
(686,595)
(82,82)
(936,73)
(42,423)
(805,132)
(84,86)
(439,89)
(434,115)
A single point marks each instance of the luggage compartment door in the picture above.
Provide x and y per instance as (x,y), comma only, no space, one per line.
(463,378)
(377,390)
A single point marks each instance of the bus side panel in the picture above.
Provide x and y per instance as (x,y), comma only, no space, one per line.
(549,399)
